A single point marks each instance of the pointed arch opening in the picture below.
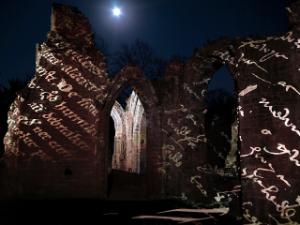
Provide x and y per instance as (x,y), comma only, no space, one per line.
(129,166)
(221,120)
(128,147)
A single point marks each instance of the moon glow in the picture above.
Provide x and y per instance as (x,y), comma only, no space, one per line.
(116,11)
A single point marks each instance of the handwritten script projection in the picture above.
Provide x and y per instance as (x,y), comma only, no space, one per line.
(177,135)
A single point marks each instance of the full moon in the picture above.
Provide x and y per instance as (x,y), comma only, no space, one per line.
(116,11)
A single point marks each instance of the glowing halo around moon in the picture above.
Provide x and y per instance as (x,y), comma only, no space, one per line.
(116,11)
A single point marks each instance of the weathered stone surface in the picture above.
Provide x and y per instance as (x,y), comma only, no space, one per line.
(269,127)
(58,143)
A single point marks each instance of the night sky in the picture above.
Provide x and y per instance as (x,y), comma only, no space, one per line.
(171,27)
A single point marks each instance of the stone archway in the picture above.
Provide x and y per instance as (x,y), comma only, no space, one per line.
(119,139)
(130,135)
(142,103)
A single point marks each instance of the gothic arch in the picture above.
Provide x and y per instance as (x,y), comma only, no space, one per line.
(118,116)
(130,135)
(133,77)
(199,71)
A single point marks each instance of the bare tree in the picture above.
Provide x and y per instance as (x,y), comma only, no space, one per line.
(102,45)
(140,54)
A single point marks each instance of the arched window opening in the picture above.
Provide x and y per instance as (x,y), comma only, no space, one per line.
(220,121)
(129,141)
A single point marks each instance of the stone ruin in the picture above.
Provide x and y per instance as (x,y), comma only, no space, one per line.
(60,141)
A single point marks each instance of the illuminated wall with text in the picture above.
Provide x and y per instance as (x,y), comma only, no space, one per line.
(58,141)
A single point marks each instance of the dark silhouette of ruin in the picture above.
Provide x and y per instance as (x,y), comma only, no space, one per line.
(171,139)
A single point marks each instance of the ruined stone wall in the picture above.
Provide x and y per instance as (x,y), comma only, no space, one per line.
(267,76)
(189,168)
(59,124)
(144,90)
(268,81)
(57,142)
(52,135)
